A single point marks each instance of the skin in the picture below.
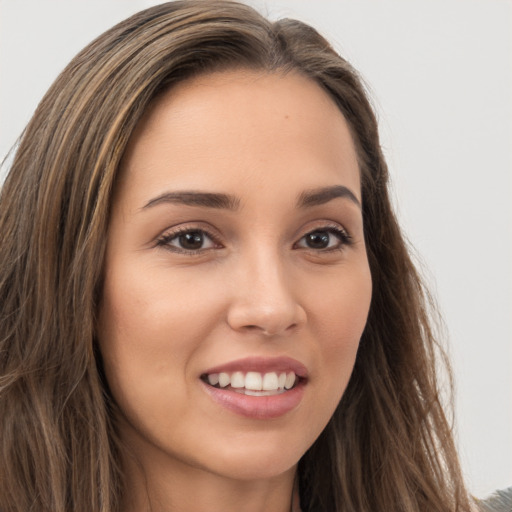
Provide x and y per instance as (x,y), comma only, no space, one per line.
(256,287)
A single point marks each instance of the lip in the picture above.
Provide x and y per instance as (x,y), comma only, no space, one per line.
(262,365)
(259,407)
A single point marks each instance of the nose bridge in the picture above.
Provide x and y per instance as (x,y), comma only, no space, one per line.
(264,298)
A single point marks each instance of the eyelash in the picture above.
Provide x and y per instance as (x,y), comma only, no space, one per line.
(165,240)
(344,239)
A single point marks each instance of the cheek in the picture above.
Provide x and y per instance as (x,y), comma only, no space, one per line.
(339,308)
(339,318)
(151,309)
(150,326)
(147,337)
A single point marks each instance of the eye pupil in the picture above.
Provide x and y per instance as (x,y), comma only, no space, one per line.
(191,240)
(317,239)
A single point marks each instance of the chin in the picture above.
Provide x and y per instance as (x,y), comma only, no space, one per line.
(254,470)
(251,459)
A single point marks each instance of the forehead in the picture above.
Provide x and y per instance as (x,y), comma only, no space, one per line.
(229,128)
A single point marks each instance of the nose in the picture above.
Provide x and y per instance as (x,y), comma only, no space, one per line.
(265,300)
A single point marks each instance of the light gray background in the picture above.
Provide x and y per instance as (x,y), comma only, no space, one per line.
(441,79)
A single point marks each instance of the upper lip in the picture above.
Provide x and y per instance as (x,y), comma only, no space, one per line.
(262,365)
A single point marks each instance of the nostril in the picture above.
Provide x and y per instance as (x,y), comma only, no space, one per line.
(260,317)
(277,330)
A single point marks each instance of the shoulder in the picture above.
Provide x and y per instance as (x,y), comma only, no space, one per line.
(500,501)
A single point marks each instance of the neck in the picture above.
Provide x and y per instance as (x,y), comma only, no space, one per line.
(160,484)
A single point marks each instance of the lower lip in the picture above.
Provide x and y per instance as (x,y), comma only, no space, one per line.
(257,407)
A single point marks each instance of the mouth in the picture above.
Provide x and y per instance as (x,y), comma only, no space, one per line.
(257,388)
(253,383)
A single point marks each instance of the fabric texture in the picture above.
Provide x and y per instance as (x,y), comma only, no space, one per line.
(500,501)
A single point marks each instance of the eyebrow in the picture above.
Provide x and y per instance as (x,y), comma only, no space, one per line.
(323,195)
(195,198)
(306,199)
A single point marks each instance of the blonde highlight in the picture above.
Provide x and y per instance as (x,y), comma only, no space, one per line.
(389,445)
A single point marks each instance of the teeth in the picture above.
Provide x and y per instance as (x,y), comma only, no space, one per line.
(262,393)
(254,383)
(213,378)
(237,380)
(224,380)
(290,380)
(270,381)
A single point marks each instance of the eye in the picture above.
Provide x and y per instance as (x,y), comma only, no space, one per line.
(324,239)
(187,240)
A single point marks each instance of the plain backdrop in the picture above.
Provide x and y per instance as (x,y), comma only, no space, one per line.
(440,75)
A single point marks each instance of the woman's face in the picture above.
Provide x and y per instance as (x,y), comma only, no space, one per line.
(236,268)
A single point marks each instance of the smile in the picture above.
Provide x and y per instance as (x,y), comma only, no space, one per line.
(253,383)
(256,387)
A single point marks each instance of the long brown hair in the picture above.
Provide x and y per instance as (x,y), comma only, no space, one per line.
(388,447)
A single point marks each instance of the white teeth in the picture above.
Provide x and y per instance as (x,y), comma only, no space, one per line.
(224,380)
(270,381)
(290,380)
(237,380)
(263,393)
(254,383)
(213,378)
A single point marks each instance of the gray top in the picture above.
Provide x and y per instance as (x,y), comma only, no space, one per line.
(500,501)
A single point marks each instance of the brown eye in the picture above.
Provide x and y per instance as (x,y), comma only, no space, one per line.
(191,240)
(324,239)
(318,239)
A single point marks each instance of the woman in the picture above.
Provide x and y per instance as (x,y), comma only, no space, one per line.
(206,299)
